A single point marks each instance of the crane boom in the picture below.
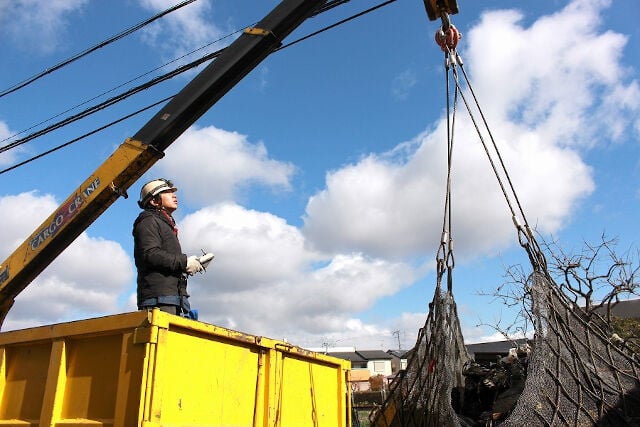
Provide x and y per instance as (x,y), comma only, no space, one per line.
(136,155)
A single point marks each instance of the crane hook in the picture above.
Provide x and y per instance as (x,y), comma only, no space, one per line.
(448,39)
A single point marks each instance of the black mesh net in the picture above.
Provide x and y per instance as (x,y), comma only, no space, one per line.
(574,375)
(428,392)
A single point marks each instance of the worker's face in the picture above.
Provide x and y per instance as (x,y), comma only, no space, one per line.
(169,201)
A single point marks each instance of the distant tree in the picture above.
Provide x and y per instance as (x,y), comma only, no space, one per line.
(596,278)
(376,383)
(629,331)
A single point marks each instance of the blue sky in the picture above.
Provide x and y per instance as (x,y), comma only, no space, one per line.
(318,181)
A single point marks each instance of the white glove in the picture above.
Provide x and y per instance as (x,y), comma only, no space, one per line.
(205,260)
(193,265)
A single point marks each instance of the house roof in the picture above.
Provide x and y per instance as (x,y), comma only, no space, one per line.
(351,356)
(400,354)
(625,309)
(374,354)
(494,347)
(361,355)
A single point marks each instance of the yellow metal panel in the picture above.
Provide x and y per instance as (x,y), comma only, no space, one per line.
(312,394)
(56,380)
(3,376)
(130,375)
(260,395)
(158,370)
(92,373)
(199,381)
(18,423)
(113,324)
(25,379)
(144,412)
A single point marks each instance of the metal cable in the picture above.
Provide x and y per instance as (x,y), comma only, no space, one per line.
(59,147)
(343,21)
(484,144)
(109,102)
(151,83)
(94,48)
(484,120)
(530,242)
(126,83)
(444,256)
(525,235)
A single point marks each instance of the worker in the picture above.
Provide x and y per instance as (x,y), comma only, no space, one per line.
(162,267)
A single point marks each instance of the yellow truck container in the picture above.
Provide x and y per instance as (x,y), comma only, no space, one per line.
(155,369)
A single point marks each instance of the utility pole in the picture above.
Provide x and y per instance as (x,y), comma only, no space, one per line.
(397,335)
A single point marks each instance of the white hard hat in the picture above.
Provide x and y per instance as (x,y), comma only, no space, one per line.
(153,188)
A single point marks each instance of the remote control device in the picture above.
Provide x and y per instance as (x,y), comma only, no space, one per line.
(205,259)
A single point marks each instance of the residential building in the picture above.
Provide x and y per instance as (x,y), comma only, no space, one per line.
(490,352)
(399,360)
(364,363)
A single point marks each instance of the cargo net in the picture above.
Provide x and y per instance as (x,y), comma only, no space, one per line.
(577,374)
(573,373)
(421,395)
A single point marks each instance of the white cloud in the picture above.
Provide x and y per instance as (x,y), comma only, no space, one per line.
(403,83)
(540,93)
(213,165)
(86,278)
(251,248)
(8,157)
(264,280)
(181,31)
(21,214)
(36,25)
(549,84)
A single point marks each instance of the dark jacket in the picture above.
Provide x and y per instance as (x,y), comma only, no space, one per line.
(158,256)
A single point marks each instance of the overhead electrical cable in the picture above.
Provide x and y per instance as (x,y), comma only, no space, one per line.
(150,83)
(330,5)
(92,49)
(101,128)
(124,84)
(110,101)
(329,27)
(326,7)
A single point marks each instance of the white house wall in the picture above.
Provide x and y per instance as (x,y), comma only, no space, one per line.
(379,367)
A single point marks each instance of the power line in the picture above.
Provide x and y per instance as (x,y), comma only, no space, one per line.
(344,21)
(109,102)
(59,147)
(92,49)
(208,56)
(157,80)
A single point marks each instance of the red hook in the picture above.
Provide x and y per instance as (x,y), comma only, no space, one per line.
(448,40)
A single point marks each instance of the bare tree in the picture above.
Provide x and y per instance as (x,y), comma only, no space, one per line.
(595,278)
